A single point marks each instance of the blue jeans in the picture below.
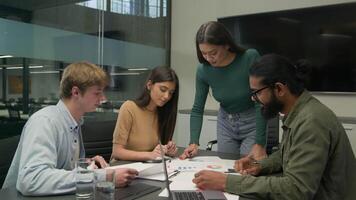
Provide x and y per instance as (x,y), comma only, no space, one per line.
(236,133)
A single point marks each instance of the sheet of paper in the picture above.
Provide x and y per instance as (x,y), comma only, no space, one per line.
(202,162)
(183,181)
(159,177)
(139,166)
(205,159)
(152,171)
(186,165)
(144,169)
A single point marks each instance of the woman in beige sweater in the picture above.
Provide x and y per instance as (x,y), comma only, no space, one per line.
(149,118)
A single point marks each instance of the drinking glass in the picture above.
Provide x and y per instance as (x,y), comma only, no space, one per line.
(84,179)
(105,184)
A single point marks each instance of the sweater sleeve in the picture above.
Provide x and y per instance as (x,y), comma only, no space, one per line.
(260,121)
(260,126)
(196,116)
(123,124)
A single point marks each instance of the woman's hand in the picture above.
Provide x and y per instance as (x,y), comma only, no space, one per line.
(190,151)
(258,152)
(99,161)
(156,153)
(171,149)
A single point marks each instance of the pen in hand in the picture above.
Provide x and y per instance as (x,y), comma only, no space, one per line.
(230,170)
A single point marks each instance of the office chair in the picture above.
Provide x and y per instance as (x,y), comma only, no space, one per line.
(14,113)
(272,136)
(97,137)
(7,148)
(210,144)
(107,106)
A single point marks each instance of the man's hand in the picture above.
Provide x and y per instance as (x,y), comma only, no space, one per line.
(190,151)
(247,165)
(258,152)
(124,176)
(99,162)
(171,149)
(211,180)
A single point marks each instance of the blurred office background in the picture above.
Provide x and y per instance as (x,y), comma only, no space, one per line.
(39,38)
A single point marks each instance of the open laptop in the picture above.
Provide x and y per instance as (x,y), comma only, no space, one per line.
(134,191)
(189,194)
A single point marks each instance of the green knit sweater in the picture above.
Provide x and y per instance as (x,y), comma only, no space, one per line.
(230,87)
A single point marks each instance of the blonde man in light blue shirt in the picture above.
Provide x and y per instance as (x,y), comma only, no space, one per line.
(51,140)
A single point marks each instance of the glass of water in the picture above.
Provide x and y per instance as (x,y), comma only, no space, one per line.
(84,179)
(105,184)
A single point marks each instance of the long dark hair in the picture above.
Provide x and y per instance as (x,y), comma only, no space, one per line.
(215,33)
(273,68)
(167,114)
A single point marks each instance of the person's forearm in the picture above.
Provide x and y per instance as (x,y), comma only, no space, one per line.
(267,187)
(124,154)
(196,115)
(272,164)
(196,121)
(42,180)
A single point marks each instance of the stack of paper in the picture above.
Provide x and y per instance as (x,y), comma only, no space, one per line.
(152,171)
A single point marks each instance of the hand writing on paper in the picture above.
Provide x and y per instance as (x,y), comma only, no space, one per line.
(190,151)
(258,152)
(247,165)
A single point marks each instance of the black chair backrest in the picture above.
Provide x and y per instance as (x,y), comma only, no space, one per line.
(8,147)
(14,112)
(97,137)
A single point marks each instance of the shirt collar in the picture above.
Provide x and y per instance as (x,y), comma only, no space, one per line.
(73,125)
(301,101)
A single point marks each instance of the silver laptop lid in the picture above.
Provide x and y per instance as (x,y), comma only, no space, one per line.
(165,170)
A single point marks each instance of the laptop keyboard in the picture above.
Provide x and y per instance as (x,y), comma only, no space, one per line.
(188,195)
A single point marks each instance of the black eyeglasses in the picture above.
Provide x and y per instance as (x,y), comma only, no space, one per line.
(255,93)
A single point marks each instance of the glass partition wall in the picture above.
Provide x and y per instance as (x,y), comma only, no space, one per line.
(39,38)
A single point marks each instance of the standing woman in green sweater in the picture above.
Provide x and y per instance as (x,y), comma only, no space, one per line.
(224,68)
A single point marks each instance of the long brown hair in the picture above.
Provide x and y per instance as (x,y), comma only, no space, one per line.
(167,114)
(215,33)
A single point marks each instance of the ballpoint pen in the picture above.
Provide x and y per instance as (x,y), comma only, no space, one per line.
(174,173)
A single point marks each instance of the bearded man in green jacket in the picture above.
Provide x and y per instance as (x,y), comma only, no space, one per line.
(315,158)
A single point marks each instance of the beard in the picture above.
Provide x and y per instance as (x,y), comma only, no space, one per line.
(270,110)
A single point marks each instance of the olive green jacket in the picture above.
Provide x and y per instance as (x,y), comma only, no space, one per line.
(315,159)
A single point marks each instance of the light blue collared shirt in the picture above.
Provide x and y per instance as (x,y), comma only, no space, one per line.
(44,160)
